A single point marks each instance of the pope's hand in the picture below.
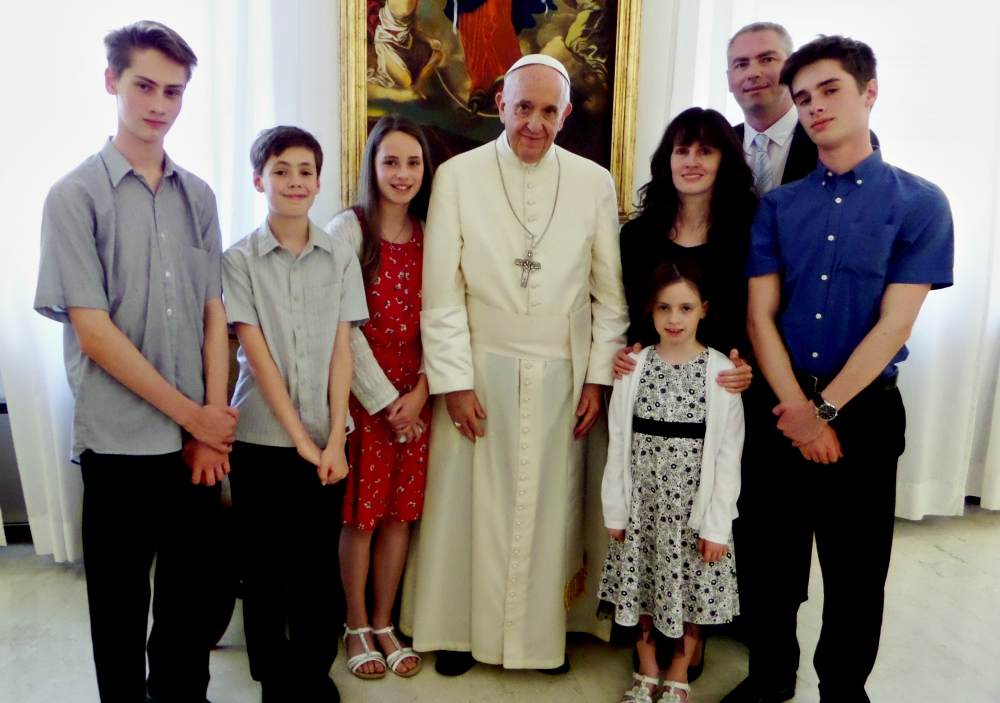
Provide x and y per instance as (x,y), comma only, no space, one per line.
(466,413)
(586,411)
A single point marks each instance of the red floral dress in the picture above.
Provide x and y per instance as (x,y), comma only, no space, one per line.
(387,478)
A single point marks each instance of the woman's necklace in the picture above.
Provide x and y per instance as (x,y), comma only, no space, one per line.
(528,263)
(395,240)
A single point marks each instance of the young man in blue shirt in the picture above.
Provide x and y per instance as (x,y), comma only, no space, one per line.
(840,264)
(131,264)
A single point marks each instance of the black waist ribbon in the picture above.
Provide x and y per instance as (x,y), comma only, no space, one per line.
(660,428)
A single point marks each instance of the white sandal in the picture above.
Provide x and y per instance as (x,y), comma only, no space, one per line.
(670,691)
(639,693)
(400,654)
(358,660)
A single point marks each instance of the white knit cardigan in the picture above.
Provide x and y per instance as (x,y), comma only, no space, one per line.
(715,502)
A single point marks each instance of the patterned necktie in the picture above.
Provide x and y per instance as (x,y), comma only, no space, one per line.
(763,174)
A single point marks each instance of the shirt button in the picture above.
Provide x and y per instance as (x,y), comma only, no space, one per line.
(513,566)
(527,366)
(517,551)
(520,507)
(524,446)
(520,493)
(824,277)
(295,298)
(168,274)
(527,383)
(527,400)
(815,354)
(163,235)
(524,462)
(531,218)
(511,594)
(829,174)
(859,181)
(525,415)
(819,316)
(830,237)
(524,431)
(518,523)
(837,200)
(169,312)
(531,185)
(524,477)
(517,538)
(510,624)
(535,304)
(531,202)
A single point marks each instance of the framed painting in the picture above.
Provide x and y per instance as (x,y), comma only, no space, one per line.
(441,63)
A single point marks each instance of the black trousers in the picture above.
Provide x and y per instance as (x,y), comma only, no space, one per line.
(135,507)
(849,507)
(289,526)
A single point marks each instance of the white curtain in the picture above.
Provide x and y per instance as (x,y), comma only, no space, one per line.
(937,115)
(261,62)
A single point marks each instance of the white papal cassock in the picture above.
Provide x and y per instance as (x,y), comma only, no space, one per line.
(498,558)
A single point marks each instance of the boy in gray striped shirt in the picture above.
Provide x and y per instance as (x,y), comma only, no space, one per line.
(130,263)
(292,292)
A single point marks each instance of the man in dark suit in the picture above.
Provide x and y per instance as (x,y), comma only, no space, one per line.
(755,57)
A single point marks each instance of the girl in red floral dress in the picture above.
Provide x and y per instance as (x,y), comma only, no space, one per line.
(388,449)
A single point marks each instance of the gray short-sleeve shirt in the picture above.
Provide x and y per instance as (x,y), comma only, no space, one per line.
(152,261)
(297,303)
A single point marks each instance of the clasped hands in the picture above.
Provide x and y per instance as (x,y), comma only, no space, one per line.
(815,439)
(213,431)
(403,414)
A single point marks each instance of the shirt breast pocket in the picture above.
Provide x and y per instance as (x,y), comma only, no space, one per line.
(196,268)
(867,251)
(323,309)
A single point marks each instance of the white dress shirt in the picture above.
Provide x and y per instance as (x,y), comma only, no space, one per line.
(780,134)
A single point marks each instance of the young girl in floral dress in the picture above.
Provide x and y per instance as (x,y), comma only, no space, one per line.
(388,449)
(670,487)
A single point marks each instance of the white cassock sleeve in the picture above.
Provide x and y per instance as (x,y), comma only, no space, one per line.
(608,309)
(444,321)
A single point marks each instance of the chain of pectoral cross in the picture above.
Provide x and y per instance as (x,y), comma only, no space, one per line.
(528,263)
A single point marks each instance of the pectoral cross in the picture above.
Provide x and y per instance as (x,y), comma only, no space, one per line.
(527,264)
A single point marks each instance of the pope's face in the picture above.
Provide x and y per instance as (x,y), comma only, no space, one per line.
(532,110)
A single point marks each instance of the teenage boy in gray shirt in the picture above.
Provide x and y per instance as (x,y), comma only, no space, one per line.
(130,263)
(292,293)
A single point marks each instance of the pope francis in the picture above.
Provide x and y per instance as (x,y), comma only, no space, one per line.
(523,310)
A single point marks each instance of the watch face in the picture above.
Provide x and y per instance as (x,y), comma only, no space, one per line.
(826,412)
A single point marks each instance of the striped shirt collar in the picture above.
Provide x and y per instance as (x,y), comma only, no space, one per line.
(118,166)
(267,242)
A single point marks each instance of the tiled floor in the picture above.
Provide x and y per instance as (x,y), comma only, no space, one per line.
(940,642)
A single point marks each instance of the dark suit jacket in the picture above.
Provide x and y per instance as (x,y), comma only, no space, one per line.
(802,154)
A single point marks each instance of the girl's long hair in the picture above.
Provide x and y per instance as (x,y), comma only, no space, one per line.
(368,194)
(733,197)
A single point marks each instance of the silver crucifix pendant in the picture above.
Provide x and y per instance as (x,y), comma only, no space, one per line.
(527,264)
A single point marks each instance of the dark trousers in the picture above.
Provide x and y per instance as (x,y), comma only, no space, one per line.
(135,507)
(848,506)
(289,526)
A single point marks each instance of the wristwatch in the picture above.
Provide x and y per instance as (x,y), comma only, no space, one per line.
(824,410)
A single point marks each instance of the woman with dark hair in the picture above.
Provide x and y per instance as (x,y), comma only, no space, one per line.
(698,205)
(388,449)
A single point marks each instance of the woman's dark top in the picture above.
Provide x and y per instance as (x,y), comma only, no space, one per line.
(645,243)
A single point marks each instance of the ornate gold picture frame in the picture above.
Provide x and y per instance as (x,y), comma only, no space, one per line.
(417,58)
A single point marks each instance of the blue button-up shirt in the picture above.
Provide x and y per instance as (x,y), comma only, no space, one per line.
(837,242)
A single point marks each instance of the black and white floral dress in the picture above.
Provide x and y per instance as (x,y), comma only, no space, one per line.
(657,570)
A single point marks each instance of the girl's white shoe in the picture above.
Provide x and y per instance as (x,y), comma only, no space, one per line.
(670,694)
(640,693)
